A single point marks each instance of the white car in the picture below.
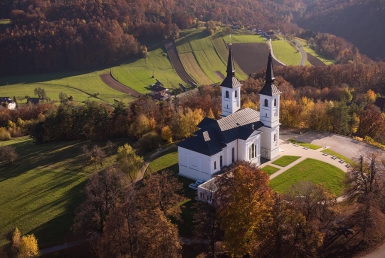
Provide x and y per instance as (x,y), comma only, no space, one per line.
(193,186)
(199,182)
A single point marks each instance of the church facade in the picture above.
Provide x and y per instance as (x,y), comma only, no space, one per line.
(240,134)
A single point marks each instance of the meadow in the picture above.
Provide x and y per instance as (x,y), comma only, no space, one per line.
(285,52)
(312,170)
(41,191)
(82,86)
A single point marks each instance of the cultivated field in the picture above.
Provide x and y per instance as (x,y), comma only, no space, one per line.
(251,57)
(192,67)
(136,79)
(314,61)
(313,53)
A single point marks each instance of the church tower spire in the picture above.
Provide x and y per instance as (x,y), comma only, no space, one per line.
(231,89)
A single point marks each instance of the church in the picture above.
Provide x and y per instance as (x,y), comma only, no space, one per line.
(240,134)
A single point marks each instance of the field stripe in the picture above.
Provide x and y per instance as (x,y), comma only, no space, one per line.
(192,68)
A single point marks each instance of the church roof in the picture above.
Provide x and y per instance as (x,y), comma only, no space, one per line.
(216,134)
(269,89)
(230,81)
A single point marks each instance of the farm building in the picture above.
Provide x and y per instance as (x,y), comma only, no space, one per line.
(7,102)
(158,91)
(241,134)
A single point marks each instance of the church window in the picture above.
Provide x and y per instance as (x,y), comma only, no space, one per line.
(266,103)
(202,195)
(266,115)
(227,94)
(236,94)
(275,137)
(232,154)
(215,165)
(252,151)
(220,161)
(227,106)
(275,102)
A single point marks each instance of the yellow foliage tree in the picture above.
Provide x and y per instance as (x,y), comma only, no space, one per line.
(128,161)
(166,134)
(28,247)
(244,204)
(16,239)
(248,104)
(189,121)
(210,114)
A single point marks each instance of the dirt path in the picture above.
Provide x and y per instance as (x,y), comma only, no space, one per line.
(303,53)
(107,79)
(175,61)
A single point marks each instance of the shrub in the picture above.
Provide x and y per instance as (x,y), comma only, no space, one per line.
(149,141)
(4,134)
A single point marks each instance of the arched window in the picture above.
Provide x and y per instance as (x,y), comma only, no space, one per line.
(232,154)
(220,161)
(227,94)
(275,102)
(236,93)
(275,137)
(266,103)
(215,165)
(252,151)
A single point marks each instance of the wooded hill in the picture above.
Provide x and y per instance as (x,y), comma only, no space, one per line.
(357,21)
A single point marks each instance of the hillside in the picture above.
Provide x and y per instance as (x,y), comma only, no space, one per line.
(356,21)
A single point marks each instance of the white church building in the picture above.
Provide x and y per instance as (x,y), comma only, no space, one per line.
(241,134)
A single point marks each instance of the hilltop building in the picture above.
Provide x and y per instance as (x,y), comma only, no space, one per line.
(241,134)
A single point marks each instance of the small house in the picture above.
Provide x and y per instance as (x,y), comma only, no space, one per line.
(8,103)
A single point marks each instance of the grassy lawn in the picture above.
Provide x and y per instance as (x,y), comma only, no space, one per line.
(192,68)
(269,169)
(285,52)
(42,190)
(312,170)
(339,156)
(305,144)
(285,160)
(311,51)
(81,86)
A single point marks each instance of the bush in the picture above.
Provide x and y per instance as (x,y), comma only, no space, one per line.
(149,141)
(4,134)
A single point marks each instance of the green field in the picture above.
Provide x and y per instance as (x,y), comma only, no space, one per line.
(82,86)
(285,160)
(311,51)
(166,160)
(269,169)
(312,170)
(192,68)
(285,52)
(238,38)
(42,190)
(136,79)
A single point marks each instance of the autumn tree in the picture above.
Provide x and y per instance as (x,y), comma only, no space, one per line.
(16,239)
(371,122)
(141,227)
(28,247)
(364,184)
(40,93)
(166,134)
(128,161)
(206,223)
(97,155)
(104,192)
(244,202)
(8,154)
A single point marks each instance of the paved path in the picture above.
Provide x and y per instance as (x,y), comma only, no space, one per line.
(303,53)
(272,53)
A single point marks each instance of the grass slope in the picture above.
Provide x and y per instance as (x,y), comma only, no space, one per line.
(312,170)
(192,68)
(81,86)
(42,190)
(285,52)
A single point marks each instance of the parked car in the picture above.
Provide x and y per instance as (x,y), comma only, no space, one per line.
(193,186)
(199,182)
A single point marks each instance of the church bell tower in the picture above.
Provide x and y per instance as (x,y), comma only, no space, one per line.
(231,89)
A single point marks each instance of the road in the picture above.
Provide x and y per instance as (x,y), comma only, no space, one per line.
(272,53)
(303,53)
